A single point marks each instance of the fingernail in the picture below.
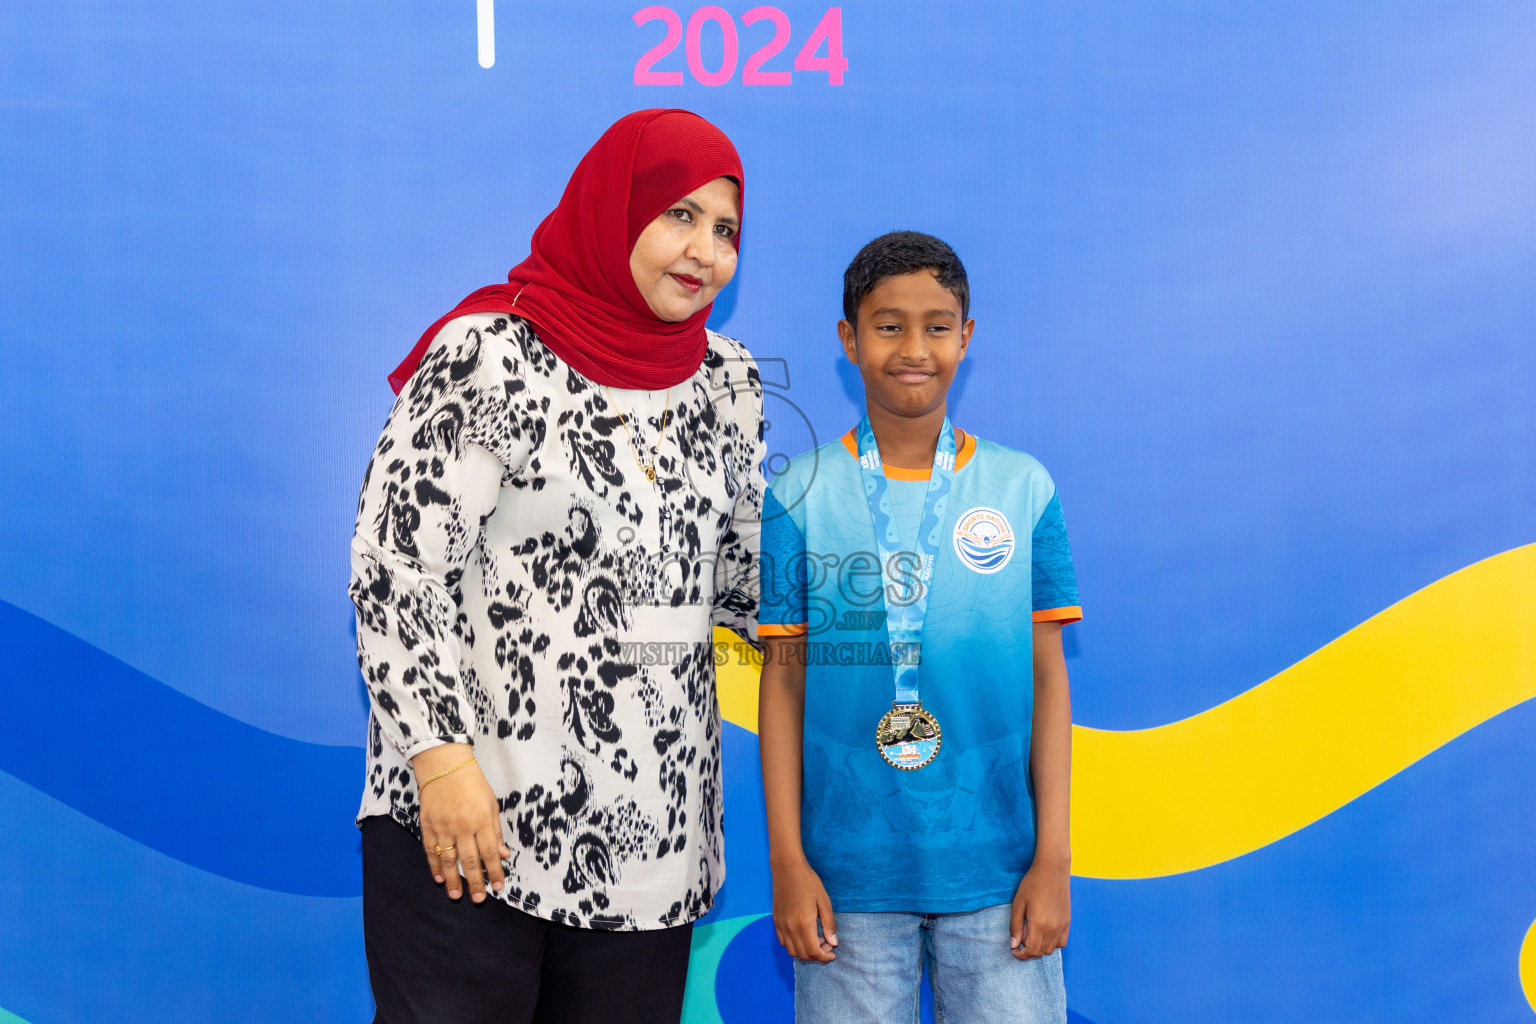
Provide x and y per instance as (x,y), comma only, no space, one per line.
(438,879)
(453,894)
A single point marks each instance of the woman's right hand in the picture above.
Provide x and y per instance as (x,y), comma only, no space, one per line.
(799,901)
(460,822)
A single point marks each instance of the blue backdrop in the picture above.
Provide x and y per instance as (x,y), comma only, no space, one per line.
(1254,281)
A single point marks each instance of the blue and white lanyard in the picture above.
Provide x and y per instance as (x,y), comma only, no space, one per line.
(904,617)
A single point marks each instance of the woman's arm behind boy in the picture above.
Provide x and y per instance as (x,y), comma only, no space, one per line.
(799,898)
(1042,907)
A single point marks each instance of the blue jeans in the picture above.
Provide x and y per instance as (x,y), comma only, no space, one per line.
(878,972)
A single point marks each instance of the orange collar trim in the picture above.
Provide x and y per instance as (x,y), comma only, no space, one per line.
(963,456)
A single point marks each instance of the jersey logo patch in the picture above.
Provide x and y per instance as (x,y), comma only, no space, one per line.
(984,539)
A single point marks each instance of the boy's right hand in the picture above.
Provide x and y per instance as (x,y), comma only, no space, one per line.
(799,901)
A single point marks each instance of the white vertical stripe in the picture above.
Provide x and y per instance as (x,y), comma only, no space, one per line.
(485,26)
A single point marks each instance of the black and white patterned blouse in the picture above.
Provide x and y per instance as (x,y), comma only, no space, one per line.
(510,556)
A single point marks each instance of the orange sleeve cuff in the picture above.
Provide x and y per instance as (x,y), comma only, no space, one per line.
(1062,615)
(766,629)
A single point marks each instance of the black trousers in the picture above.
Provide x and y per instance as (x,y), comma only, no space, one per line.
(432,960)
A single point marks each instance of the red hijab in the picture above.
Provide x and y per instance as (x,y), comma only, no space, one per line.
(576,287)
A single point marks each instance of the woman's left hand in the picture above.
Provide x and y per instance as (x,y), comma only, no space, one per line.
(1042,911)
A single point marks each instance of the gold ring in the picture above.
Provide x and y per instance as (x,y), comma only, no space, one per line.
(440,850)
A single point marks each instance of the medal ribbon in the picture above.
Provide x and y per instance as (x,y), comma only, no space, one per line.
(904,618)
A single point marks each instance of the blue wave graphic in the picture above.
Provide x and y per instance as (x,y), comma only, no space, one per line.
(135,937)
(748,886)
(176,775)
(984,556)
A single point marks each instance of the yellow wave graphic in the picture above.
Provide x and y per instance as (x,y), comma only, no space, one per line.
(736,679)
(1314,737)
(1298,746)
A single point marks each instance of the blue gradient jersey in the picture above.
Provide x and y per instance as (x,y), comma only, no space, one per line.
(960,833)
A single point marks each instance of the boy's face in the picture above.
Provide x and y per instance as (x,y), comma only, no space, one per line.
(908,343)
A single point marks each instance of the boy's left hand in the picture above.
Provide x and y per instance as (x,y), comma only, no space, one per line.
(1042,912)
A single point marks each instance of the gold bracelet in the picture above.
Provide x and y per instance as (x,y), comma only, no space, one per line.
(433,778)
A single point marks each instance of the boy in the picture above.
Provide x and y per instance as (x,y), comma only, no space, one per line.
(914,715)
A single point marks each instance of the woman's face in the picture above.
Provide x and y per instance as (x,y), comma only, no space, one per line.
(685,256)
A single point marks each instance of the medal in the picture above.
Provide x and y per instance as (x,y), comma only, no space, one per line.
(908,736)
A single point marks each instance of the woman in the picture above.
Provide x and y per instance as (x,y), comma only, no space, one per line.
(563,502)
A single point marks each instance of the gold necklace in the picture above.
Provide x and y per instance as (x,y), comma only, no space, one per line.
(649,471)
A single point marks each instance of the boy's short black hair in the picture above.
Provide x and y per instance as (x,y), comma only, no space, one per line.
(903,252)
